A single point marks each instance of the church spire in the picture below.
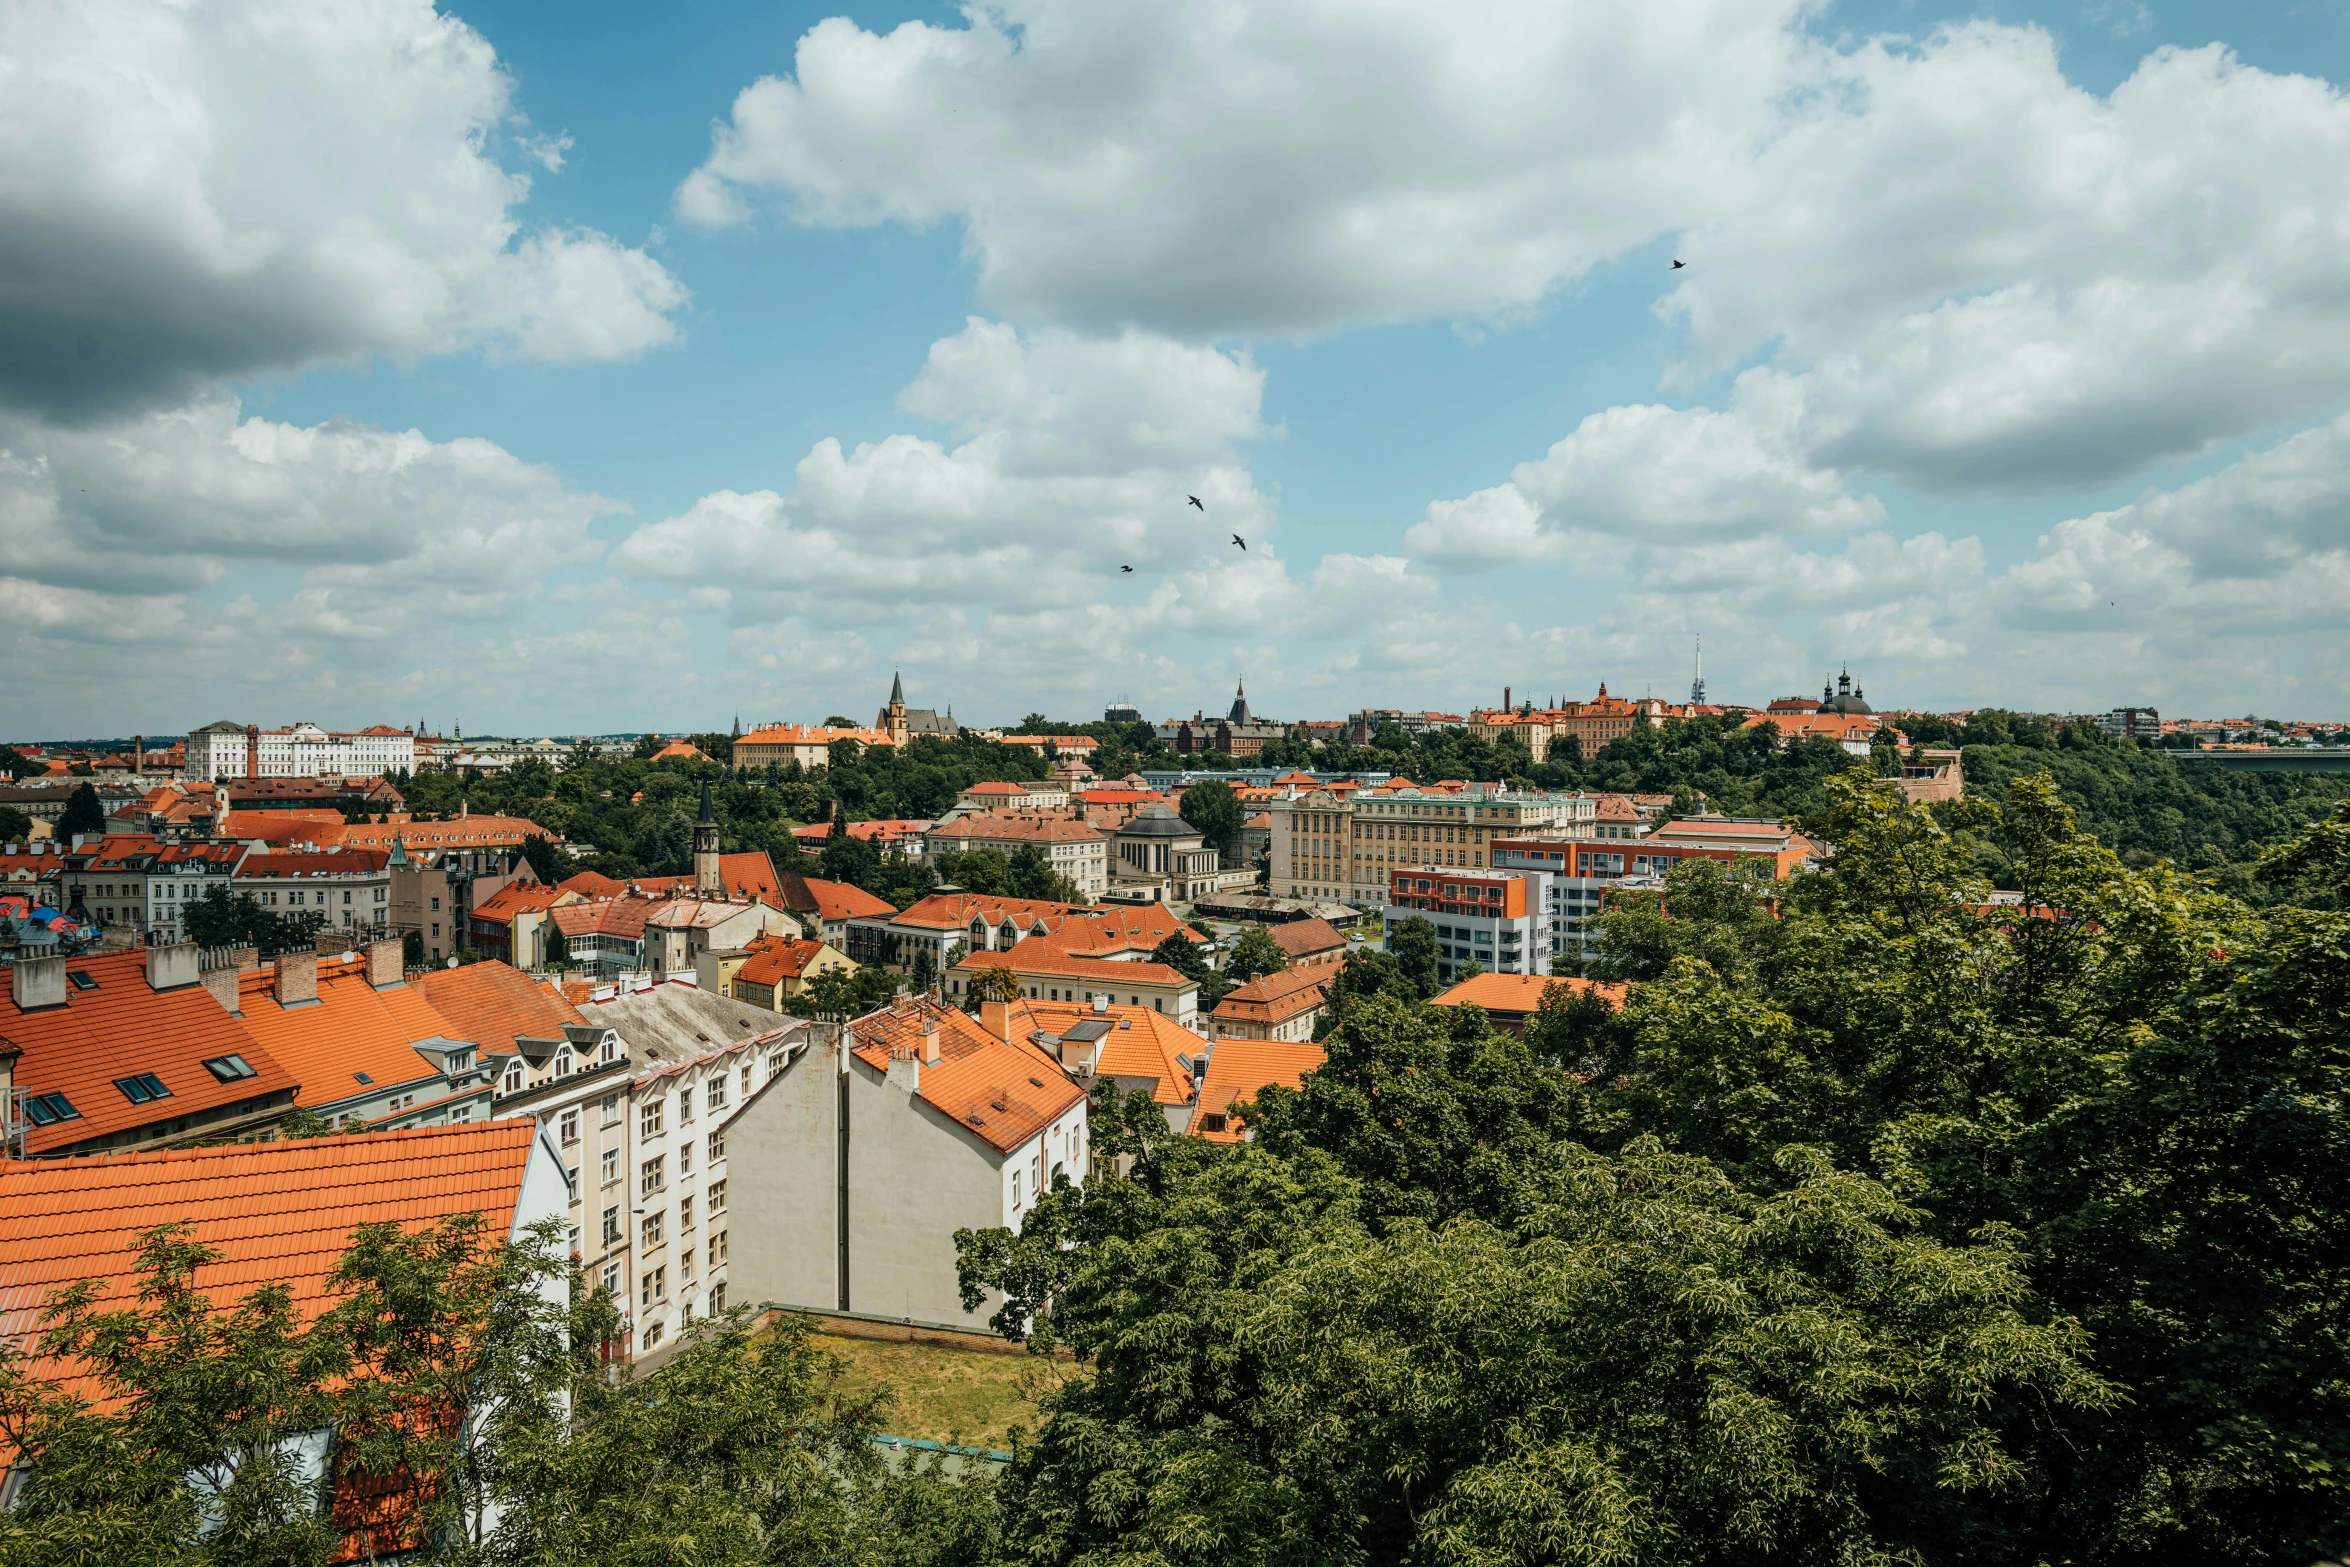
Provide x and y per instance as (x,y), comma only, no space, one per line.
(897,690)
(707,880)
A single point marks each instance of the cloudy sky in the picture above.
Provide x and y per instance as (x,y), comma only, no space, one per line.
(616,366)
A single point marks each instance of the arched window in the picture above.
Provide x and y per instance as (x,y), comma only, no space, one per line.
(515,1078)
(563,1062)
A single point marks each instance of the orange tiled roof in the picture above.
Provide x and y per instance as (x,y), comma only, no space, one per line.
(1022,826)
(118,1027)
(995,787)
(1035,955)
(811,734)
(623,917)
(279,1213)
(1004,1093)
(774,964)
(1306,938)
(464,832)
(1243,1068)
(516,898)
(321,862)
(839,900)
(1145,1044)
(1274,998)
(955,910)
(1137,928)
(355,1028)
(692,753)
(1519,994)
(591,884)
(494,1003)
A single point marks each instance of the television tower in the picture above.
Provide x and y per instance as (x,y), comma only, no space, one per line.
(1697,673)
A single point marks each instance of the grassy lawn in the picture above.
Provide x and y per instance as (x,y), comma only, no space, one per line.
(949,1395)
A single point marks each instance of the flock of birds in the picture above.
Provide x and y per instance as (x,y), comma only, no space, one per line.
(1203,506)
(1678,264)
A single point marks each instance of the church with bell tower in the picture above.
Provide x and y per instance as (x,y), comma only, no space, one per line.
(902,723)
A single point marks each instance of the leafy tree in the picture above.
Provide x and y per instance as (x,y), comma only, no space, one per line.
(15,764)
(198,1446)
(1033,876)
(549,861)
(1253,955)
(646,745)
(1643,1363)
(845,858)
(83,814)
(15,825)
(1412,943)
(847,993)
(1186,957)
(990,984)
(1215,811)
(984,871)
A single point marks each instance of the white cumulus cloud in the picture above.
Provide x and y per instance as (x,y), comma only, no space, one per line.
(189,192)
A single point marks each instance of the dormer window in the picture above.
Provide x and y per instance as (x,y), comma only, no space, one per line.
(563,1062)
(230,1068)
(609,1053)
(460,1060)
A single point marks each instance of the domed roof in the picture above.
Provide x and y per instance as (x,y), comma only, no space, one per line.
(1157,821)
(1844,697)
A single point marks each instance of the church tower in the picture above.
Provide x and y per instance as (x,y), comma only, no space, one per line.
(707,881)
(893,717)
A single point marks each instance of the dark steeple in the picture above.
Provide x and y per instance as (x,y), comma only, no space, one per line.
(707,879)
(1239,713)
(897,690)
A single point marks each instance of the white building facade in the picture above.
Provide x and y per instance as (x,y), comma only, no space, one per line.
(304,750)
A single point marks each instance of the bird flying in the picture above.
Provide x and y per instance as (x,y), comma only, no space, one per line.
(1125,568)
(1237,539)
(1678,263)
(1195,501)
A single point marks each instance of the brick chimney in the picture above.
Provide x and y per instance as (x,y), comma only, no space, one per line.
(930,1041)
(386,964)
(221,985)
(297,979)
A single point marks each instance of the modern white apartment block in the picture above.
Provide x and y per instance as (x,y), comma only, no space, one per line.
(228,750)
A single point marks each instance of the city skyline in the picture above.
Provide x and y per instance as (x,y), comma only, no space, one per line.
(593,370)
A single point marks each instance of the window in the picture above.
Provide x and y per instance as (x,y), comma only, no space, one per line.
(142,1088)
(611,1278)
(717,1297)
(685,1158)
(611,1110)
(685,1106)
(1015,1188)
(717,1146)
(49,1109)
(685,1265)
(649,1229)
(230,1068)
(611,1165)
(608,1053)
(685,1212)
(717,1196)
(650,1177)
(568,1127)
(514,1079)
(563,1062)
(612,1226)
(648,1121)
(746,1080)
(436,908)
(718,1093)
(575,1240)
(717,1247)
(652,1332)
(656,1285)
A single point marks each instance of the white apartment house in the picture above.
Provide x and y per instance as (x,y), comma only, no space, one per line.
(638,1099)
(346,888)
(1346,848)
(228,750)
(853,1169)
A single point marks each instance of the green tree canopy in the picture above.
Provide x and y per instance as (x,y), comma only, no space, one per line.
(83,814)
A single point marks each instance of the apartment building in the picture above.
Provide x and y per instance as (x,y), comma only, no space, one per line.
(1334,845)
(349,889)
(1499,919)
(866,1155)
(1044,973)
(133,881)
(1075,850)
(637,1094)
(1581,872)
(230,750)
